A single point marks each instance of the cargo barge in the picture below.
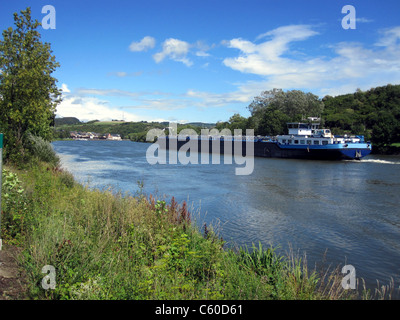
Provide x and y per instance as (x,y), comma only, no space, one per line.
(305,140)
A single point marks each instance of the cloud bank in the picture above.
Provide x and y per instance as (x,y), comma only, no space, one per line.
(349,66)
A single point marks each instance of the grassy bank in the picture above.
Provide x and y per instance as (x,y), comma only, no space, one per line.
(113,246)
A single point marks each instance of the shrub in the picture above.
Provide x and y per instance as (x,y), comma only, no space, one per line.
(42,150)
(14,204)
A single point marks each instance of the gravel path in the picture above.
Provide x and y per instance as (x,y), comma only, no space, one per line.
(12,281)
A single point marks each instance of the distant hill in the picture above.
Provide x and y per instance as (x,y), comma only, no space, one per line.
(135,131)
(374,113)
(66,120)
(202,125)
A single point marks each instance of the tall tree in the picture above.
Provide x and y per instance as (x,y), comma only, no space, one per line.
(28,91)
(271,110)
(238,122)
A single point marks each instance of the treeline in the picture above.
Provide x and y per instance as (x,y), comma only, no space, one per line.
(126,130)
(374,113)
(135,131)
(66,120)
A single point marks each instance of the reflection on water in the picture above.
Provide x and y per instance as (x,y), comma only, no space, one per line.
(347,209)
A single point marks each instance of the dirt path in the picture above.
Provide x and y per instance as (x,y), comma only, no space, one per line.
(12,281)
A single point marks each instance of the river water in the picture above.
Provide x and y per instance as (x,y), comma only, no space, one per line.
(335,213)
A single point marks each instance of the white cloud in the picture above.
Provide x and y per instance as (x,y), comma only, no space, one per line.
(123,74)
(208,99)
(90,104)
(105,92)
(389,37)
(364,20)
(90,108)
(143,45)
(266,58)
(161,104)
(202,48)
(64,88)
(289,33)
(202,54)
(84,105)
(351,65)
(174,49)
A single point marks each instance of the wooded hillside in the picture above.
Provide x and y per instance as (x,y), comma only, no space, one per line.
(374,113)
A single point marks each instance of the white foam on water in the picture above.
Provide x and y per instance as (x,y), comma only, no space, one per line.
(374,161)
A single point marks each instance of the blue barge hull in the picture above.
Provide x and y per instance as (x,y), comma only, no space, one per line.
(272,149)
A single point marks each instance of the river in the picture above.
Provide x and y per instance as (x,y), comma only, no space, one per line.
(337,213)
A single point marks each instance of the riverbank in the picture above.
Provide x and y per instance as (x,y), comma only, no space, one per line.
(104,245)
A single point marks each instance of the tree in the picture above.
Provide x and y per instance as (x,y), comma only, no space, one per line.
(383,132)
(273,107)
(374,113)
(272,123)
(28,91)
(238,122)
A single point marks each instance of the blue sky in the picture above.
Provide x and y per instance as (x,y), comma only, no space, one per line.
(205,60)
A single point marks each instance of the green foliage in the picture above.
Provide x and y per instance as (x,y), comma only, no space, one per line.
(272,109)
(61,134)
(29,92)
(68,120)
(13,206)
(187,127)
(263,262)
(235,122)
(374,113)
(272,122)
(138,137)
(42,150)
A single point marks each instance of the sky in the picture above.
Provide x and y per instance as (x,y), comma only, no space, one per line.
(203,61)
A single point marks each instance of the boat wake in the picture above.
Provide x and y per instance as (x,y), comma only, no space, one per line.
(374,161)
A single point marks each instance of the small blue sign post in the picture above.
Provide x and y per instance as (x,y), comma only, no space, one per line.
(1,183)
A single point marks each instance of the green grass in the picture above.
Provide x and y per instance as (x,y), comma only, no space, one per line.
(105,245)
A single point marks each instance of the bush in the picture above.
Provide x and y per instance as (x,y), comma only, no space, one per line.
(14,205)
(42,150)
